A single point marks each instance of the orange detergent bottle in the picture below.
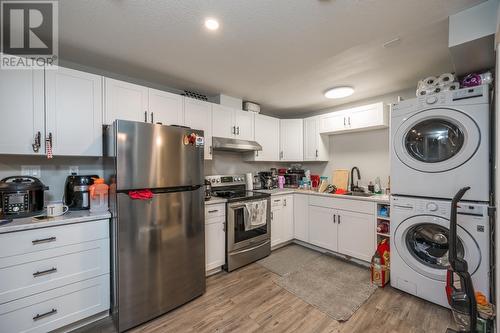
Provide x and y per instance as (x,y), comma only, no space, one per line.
(98,196)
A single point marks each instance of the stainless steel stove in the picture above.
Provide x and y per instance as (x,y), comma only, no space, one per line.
(243,245)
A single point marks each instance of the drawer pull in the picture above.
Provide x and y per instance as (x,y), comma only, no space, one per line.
(44,240)
(48,271)
(213,211)
(43,315)
(278,200)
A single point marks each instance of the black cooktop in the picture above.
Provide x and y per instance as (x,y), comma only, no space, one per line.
(232,195)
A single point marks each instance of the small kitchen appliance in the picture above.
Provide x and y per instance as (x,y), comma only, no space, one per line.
(76,191)
(21,196)
(293,177)
(208,190)
(244,245)
(267,180)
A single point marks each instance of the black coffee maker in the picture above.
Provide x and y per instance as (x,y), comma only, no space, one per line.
(76,191)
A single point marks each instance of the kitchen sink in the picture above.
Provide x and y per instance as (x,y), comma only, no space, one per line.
(359,194)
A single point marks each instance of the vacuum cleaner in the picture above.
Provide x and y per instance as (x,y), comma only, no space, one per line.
(459,288)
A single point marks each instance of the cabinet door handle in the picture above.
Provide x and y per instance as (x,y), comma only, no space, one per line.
(43,315)
(272,215)
(210,150)
(281,154)
(37,142)
(152,118)
(234,130)
(257,153)
(213,211)
(334,221)
(284,202)
(48,271)
(344,121)
(238,130)
(44,240)
(349,121)
(224,226)
(339,219)
(316,153)
(145,116)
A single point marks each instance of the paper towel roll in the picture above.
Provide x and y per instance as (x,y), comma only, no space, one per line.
(445,79)
(430,81)
(249,181)
(451,86)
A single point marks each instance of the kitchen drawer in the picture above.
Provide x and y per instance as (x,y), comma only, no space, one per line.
(215,210)
(20,242)
(33,273)
(57,307)
(276,201)
(353,205)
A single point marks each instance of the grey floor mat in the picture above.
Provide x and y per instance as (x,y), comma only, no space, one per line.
(332,285)
(288,259)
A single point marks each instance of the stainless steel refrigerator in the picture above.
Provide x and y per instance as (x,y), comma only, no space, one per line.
(158,244)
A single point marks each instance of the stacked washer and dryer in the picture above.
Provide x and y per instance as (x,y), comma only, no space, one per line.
(439,144)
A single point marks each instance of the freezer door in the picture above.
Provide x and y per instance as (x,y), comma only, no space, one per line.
(161,254)
(156,156)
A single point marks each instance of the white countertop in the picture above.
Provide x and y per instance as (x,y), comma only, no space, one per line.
(379,198)
(27,223)
(215,200)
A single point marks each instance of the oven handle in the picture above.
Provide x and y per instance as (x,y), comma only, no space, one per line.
(252,248)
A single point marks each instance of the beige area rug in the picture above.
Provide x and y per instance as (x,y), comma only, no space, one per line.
(335,286)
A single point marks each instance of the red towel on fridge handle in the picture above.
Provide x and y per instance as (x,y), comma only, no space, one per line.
(141,195)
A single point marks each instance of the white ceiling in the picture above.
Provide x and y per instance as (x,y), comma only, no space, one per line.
(280,53)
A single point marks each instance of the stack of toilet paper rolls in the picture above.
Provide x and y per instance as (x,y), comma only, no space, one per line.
(435,85)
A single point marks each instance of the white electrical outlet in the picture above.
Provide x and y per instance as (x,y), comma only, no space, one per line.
(74,170)
(31,170)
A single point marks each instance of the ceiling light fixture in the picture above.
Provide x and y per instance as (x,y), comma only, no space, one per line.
(339,92)
(211,24)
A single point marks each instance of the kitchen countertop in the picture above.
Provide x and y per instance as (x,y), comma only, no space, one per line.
(215,200)
(379,198)
(28,223)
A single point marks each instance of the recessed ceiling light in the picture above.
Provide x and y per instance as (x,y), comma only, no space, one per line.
(211,24)
(339,92)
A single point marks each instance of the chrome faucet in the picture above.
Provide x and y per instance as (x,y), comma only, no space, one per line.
(355,187)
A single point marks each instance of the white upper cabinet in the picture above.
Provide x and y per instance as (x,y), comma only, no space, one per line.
(198,115)
(22,112)
(315,144)
(244,121)
(74,112)
(165,108)
(267,134)
(223,121)
(125,101)
(291,140)
(232,123)
(361,118)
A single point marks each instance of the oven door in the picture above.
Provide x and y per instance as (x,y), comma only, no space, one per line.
(237,236)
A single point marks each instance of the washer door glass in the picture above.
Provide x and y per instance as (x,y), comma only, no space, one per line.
(434,140)
(421,241)
(428,243)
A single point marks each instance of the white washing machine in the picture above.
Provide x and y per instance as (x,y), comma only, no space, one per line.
(419,245)
(440,143)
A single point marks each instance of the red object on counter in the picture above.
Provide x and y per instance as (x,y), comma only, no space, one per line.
(141,195)
(314,181)
(340,191)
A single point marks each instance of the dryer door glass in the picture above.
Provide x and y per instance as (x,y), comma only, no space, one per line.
(434,140)
(428,243)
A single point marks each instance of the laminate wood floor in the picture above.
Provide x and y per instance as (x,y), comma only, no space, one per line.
(248,300)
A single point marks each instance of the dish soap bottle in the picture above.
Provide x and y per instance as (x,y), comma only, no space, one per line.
(378,187)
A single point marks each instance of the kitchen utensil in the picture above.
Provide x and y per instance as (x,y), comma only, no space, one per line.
(21,196)
(340,178)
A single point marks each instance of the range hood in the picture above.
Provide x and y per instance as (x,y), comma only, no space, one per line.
(236,145)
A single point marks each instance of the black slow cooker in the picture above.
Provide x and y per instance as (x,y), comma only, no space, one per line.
(21,196)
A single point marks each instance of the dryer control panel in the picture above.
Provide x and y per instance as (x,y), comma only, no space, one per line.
(437,207)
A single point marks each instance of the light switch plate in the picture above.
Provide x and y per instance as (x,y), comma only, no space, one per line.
(74,170)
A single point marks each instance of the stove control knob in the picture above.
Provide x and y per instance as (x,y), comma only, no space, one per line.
(213,180)
(218,180)
(16,209)
(432,206)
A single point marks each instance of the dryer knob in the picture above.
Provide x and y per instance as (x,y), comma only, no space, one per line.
(431,99)
(431,206)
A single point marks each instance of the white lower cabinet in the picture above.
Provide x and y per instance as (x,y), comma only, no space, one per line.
(301,217)
(54,276)
(322,229)
(215,236)
(281,219)
(356,234)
